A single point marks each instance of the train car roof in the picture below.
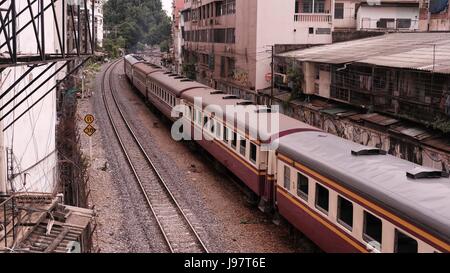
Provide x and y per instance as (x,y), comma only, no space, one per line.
(381,178)
(147,68)
(131,59)
(175,83)
(218,101)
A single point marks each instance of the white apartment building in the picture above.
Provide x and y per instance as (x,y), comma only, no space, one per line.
(28,156)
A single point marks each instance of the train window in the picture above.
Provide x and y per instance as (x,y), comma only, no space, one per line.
(404,243)
(287,178)
(302,186)
(205,121)
(345,212)
(218,130)
(234,140)
(252,152)
(322,198)
(372,228)
(212,126)
(226,134)
(243,145)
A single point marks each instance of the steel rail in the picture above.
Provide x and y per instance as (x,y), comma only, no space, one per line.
(160,179)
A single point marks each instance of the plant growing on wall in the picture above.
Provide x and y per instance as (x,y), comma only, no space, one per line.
(294,78)
(188,70)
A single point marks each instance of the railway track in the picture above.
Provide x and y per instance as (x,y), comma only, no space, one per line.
(178,232)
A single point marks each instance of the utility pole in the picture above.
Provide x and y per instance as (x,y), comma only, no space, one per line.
(272,77)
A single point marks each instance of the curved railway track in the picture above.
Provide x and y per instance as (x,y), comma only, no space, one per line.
(178,232)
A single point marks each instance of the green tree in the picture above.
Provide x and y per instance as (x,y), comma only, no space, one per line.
(137,21)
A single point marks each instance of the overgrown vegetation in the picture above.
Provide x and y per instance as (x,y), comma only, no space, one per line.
(133,23)
(442,124)
(189,70)
(294,78)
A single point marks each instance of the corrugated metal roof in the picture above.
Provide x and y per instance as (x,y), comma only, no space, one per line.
(411,131)
(441,143)
(379,119)
(422,51)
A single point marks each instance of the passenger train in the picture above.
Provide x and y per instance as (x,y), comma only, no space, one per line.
(343,196)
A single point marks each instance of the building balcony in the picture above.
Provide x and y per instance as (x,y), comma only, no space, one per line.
(313,17)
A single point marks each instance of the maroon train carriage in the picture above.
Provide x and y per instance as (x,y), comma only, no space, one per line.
(141,71)
(234,144)
(129,62)
(164,90)
(345,196)
(344,202)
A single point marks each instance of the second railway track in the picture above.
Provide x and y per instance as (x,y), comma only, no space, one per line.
(177,230)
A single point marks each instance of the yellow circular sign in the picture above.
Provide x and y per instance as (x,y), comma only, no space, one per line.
(89,119)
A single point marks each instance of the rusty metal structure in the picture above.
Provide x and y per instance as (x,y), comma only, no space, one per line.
(40,222)
(74,29)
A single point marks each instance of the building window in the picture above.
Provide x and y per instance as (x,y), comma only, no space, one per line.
(302,186)
(243,145)
(219,35)
(386,23)
(231,66)
(319,6)
(252,152)
(307,6)
(222,66)
(230,36)
(297,6)
(372,228)
(345,212)
(311,30)
(322,198)
(287,178)
(403,23)
(339,11)
(404,243)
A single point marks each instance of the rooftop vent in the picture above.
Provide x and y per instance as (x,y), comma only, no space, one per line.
(245,102)
(167,73)
(179,77)
(173,75)
(420,173)
(231,97)
(369,151)
(216,92)
(263,110)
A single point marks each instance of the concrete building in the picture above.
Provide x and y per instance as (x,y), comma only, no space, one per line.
(390,91)
(394,15)
(434,15)
(33,61)
(391,15)
(227,43)
(98,20)
(177,25)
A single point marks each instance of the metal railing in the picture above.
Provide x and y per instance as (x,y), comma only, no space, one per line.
(400,24)
(312,17)
(9,221)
